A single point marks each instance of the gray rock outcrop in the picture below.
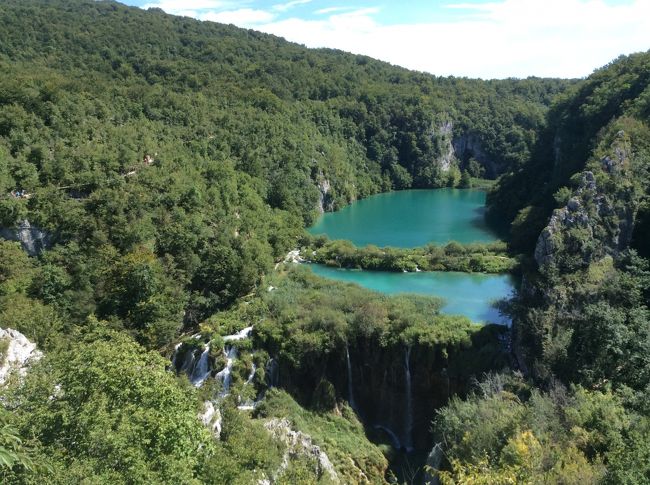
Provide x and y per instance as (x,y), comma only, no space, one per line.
(434,460)
(18,355)
(459,147)
(298,443)
(32,239)
(448,154)
(211,418)
(468,145)
(325,199)
(601,216)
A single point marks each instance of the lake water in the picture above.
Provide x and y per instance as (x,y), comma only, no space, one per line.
(468,294)
(410,218)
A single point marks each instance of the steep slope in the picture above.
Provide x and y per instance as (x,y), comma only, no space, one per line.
(598,178)
(582,315)
(526,196)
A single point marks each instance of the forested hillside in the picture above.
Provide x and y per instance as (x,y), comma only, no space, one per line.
(155,169)
(181,158)
(582,317)
(279,112)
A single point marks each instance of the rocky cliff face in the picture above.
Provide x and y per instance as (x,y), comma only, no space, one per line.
(448,155)
(459,147)
(398,390)
(31,238)
(394,389)
(598,219)
(468,145)
(297,443)
(16,353)
(325,199)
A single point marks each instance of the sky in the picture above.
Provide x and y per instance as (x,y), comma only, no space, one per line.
(474,38)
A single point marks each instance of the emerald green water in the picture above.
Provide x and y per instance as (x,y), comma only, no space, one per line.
(469,294)
(410,218)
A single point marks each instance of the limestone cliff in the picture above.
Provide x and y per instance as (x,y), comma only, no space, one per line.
(468,145)
(598,218)
(394,389)
(16,353)
(32,239)
(325,199)
(447,154)
(297,443)
(459,146)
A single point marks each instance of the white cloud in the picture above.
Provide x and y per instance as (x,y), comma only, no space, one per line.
(506,38)
(471,6)
(283,7)
(175,6)
(518,38)
(243,17)
(324,11)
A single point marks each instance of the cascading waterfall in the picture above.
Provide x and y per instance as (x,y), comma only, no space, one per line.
(225,376)
(405,438)
(408,415)
(242,334)
(198,370)
(201,369)
(272,373)
(350,383)
(252,374)
(175,355)
(248,405)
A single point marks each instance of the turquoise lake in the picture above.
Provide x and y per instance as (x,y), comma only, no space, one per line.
(410,218)
(413,218)
(468,294)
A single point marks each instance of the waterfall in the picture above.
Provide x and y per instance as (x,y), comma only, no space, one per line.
(408,415)
(248,405)
(272,373)
(353,405)
(201,369)
(242,334)
(252,374)
(175,355)
(225,376)
(393,437)
(198,370)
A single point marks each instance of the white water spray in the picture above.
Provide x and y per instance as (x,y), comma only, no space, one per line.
(353,405)
(201,369)
(241,335)
(252,374)
(408,428)
(225,376)
(393,437)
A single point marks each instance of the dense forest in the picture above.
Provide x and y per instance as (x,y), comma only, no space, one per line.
(155,171)
(581,317)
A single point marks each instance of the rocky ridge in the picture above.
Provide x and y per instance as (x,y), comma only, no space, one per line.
(601,211)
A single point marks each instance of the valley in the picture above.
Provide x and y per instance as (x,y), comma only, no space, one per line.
(161,176)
